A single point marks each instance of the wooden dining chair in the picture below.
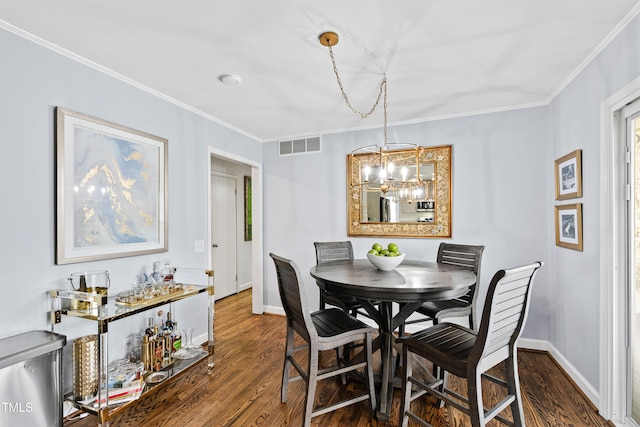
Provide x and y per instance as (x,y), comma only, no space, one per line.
(465,256)
(328,329)
(467,354)
(337,251)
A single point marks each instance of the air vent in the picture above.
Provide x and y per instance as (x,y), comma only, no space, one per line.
(311,144)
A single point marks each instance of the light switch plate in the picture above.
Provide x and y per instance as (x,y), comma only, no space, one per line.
(199,246)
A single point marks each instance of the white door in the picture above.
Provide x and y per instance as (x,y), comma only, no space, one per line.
(223,234)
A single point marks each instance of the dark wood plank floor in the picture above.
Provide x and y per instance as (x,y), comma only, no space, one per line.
(244,388)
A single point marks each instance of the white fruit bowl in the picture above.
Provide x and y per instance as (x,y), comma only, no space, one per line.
(385,263)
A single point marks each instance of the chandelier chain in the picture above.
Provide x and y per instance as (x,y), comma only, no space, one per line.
(383,88)
(384,109)
(377,166)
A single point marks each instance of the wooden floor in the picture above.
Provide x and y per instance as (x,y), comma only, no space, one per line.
(244,388)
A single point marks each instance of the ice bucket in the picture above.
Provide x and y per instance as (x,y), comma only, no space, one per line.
(93,281)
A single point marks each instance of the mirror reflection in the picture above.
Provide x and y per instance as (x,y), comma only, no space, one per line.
(401,205)
(400,192)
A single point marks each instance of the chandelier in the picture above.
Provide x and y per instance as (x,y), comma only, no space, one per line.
(395,173)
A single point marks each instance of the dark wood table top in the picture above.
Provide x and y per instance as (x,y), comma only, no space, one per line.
(410,281)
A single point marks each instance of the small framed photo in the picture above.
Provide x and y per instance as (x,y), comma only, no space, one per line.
(568,220)
(568,171)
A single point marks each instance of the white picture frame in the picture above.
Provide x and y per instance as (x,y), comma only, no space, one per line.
(111,185)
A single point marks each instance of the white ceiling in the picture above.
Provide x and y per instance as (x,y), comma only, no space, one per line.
(442,58)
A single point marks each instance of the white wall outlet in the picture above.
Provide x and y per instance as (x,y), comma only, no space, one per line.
(199,246)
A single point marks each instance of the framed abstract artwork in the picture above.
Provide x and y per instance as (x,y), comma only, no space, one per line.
(568,219)
(568,172)
(111,181)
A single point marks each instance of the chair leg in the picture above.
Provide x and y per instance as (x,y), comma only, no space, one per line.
(346,352)
(513,388)
(436,371)
(341,359)
(322,303)
(405,403)
(311,385)
(444,376)
(370,382)
(288,353)
(476,408)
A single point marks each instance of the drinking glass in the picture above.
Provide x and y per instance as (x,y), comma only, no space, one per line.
(147,291)
(138,286)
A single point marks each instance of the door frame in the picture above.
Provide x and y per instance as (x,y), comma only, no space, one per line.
(257,303)
(631,121)
(613,265)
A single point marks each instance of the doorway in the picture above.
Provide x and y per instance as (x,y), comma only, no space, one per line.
(249,253)
(617,256)
(224,230)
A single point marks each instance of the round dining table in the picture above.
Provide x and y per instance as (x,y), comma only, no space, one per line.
(410,284)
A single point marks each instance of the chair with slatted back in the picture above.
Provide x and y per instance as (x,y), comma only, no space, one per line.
(336,251)
(466,256)
(328,329)
(467,354)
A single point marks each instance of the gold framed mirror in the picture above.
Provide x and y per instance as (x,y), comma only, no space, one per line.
(416,204)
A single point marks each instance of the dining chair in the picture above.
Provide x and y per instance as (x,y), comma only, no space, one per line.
(466,256)
(328,329)
(337,251)
(467,354)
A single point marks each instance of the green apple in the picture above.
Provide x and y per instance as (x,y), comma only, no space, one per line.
(377,247)
(373,252)
(384,252)
(392,247)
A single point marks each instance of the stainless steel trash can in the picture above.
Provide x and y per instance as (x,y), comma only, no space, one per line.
(31,379)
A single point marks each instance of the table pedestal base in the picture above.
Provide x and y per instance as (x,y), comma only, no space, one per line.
(389,350)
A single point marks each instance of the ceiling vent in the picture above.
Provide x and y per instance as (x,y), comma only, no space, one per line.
(307,145)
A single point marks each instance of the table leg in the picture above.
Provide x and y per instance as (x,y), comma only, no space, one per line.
(371,310)
(388,324)
(386,342)
(388,362)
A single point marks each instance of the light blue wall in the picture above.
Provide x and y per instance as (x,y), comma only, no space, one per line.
(574,123)
(33,81)
(500,197)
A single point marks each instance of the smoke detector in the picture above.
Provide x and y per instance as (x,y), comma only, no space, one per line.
(230,79)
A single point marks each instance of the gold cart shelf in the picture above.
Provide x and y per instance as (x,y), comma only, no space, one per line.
(104,310)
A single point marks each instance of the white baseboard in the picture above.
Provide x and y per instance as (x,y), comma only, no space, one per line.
(274,310)
(531,344)
(245,286)
(584,385)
